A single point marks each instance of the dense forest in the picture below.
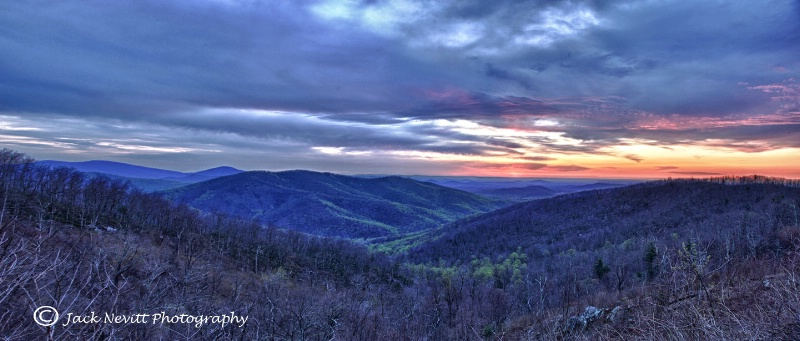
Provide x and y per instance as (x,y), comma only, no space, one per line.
(674,259)
(334,205)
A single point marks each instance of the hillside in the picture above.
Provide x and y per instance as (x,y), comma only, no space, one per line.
(333,205)
(642,262)
(714,259)
(91,245)
(589,220)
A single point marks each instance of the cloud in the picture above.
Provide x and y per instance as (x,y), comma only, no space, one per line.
(498,169)
(537,158)
(634,158)
(499,73)
(568,168)
(153,58)
(125,59)
(697,173)
(539,80)
(456,103)
(318,131)
(507,166)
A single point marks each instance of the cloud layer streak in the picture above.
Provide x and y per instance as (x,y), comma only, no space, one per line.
(501,88)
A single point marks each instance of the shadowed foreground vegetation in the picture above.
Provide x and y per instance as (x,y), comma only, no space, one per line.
(678,259)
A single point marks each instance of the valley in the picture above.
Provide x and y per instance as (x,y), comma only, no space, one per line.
(401,170)
(396,258)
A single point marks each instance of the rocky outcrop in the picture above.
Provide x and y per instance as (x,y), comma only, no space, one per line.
(590,316)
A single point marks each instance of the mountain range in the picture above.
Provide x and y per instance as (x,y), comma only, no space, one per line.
(151,179)
(673,259)
(334,205)
(676,210)
(330,204)
(523,189)
(145,178)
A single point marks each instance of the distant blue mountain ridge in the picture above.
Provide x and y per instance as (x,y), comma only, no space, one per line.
(514,189)
(125,170)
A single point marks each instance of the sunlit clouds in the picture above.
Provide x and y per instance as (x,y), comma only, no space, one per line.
(493,88)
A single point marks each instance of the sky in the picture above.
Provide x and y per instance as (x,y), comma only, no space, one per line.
(509,88)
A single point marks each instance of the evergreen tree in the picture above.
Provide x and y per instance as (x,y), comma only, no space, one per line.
(650,255)
(600,269)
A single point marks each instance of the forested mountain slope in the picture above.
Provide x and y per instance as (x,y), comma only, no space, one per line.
(733,213)
(663,254)
(716,259)
(93,245)
(334,205)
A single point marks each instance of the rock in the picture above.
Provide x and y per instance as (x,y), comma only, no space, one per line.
(592,313)
(573,324)
(584,320)
(616,314)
